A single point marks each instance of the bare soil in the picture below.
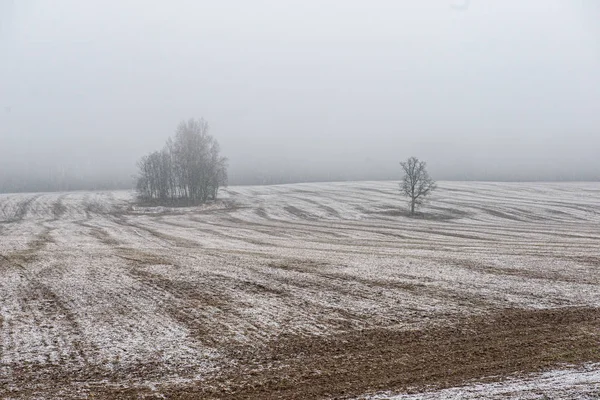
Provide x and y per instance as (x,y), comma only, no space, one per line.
(309,291)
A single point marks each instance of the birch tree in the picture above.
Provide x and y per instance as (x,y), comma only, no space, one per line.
(189,167)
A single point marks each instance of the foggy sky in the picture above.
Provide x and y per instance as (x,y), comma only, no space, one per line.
(341,89)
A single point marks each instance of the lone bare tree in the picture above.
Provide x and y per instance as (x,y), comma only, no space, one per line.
(416,184)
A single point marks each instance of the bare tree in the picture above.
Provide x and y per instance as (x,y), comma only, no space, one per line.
(416,184)
(189,168)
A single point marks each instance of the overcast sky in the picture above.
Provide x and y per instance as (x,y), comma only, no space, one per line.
(480,89)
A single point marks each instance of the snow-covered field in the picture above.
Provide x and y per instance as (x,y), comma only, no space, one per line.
(301,291)
(567,383)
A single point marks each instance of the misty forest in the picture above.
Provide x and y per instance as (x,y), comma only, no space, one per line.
(393,200)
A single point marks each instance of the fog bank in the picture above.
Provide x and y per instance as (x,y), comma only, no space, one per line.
(300,90)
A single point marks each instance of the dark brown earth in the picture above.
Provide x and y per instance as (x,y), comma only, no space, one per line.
(350,365)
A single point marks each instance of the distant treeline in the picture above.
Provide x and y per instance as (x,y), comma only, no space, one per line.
(279,177)
(189,169)
(32,176)
(51,181)
(58,182)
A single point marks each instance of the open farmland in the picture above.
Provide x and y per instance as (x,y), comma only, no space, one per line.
(302,291)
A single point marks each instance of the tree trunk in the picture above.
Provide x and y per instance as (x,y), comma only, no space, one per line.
(412,207)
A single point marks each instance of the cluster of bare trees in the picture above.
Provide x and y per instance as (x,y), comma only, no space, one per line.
(189,169)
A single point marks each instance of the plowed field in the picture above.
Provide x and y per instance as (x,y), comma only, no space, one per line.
(306,291)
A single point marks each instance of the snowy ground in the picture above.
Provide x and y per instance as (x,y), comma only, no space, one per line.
(568,383)
(100,298)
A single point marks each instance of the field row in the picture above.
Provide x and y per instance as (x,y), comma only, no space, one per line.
(250,295)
